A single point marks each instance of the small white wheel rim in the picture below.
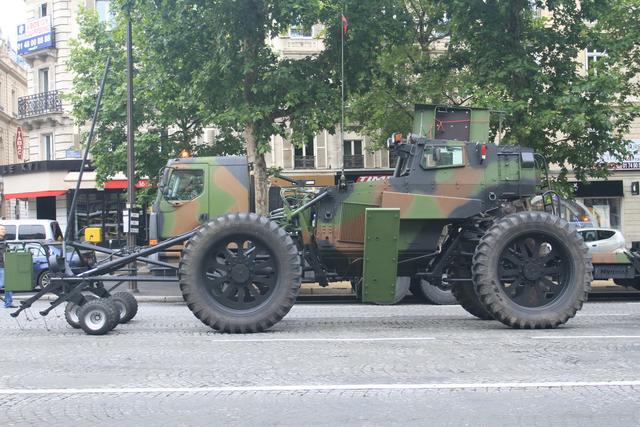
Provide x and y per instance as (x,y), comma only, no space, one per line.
(95,319)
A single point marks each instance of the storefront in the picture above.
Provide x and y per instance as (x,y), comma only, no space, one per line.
(44,190)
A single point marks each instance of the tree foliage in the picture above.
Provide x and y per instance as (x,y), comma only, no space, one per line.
(505,55)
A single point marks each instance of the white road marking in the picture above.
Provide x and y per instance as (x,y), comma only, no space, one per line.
(605,315)
(325,339)
(320,387)
(583,337)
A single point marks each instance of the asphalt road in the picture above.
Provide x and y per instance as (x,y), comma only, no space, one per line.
(326,365)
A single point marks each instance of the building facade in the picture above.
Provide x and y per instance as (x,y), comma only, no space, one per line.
(13,138)
(322,159)
(41,182)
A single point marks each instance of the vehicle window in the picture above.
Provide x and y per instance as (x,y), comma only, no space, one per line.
(605,234)
(184,185)
(589,235)
(31,232)
(36,250)
(10,232)
(56,232)
(448,156)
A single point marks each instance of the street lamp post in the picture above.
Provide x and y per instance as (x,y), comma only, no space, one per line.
(131,174)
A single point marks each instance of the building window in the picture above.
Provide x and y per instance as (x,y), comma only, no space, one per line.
(47,147)
(352,154)
(303,156)
(14,102)
(591,57)
(43,79)
(604,212)
(42,10)
(300,33)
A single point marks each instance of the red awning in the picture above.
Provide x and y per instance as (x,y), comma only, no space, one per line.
(117,184)
(33,194)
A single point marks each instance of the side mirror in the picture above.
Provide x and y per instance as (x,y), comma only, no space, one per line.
(437,155)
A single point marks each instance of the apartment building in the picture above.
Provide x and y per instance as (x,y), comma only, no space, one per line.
(41,181)
(13,85)
(321,160)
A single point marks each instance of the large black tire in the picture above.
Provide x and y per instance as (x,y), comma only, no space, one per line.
(127,305)
(98,317)
(532,270)
(240,291)
(467,297)
(628,283)
(432,294)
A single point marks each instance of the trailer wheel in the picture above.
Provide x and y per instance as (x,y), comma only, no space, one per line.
(240,273)
(127,305)
(71,311)
(432,294)
(98,317)
(532,270)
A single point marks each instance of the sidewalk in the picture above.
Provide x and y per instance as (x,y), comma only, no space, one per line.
(170,291)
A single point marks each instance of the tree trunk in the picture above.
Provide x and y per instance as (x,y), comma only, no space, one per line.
(261,187)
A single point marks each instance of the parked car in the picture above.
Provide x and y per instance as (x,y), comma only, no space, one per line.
(31,229)
(603,240)
(41,251)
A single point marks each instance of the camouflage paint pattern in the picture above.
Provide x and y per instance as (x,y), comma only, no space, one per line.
(226,190)
(428,197)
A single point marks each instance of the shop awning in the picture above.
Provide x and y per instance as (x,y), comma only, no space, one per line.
(34,194)
(116,184)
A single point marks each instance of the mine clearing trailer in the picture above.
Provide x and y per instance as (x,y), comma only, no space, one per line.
(456,209)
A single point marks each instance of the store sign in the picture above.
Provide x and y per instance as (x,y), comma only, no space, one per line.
(19,143)
(631,162)
(35,35)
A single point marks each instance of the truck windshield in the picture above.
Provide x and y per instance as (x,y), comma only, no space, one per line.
(184,185)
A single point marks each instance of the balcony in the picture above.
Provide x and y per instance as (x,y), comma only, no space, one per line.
(304,162)
(355,161)
(39,104)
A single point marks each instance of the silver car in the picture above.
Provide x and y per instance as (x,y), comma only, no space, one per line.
(603,240)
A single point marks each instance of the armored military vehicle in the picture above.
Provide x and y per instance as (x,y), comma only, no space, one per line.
(456,206)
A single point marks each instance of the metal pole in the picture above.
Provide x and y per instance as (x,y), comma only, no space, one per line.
(74,200)
(342,83)
(131,174)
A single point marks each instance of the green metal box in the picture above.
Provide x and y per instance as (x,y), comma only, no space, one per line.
(18,271)
(382,230)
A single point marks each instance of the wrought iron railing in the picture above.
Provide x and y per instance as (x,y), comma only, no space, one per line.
(40,103)
(355,161)
(304,162)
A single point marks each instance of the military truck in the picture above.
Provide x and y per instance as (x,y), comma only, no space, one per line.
(456,206)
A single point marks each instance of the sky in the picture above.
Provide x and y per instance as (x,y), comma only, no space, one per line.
(12,13)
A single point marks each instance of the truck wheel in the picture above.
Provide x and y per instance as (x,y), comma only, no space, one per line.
(98,317)
(532,270)
(467,297)
(628,283)
(240,273)
(432,294)
(127,305)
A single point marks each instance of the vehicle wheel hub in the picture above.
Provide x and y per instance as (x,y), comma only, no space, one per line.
(240,273)
(532,271)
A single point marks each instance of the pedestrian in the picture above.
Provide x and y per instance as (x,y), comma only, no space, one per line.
(8,295)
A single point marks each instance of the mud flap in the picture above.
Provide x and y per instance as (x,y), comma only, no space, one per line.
(382,230)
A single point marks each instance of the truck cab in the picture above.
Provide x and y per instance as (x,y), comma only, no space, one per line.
(194,190)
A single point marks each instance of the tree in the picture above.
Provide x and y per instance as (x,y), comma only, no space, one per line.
(502,54)
(168,117)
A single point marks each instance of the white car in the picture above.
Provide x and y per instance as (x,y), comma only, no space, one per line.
(603,240)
